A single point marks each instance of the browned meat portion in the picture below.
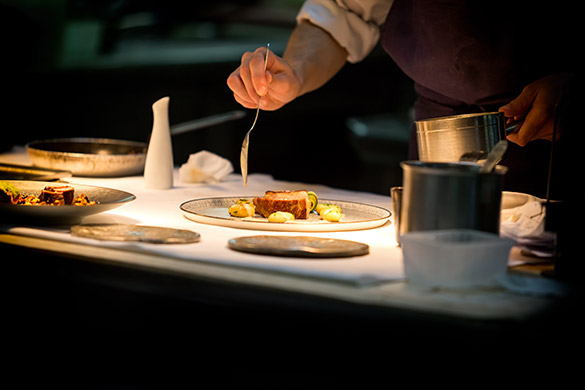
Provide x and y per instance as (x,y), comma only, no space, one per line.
(57,195)
(295,202)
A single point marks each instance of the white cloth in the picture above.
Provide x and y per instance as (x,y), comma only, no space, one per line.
(524,221)
(383,264)
(354,24)
(205,167)
(162,208)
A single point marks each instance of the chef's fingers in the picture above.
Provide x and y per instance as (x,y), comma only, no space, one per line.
(516,110)
(245,103)
(258,70)
(247,73)
(236,84)
(519,107)
(241,95)
(281,83)
(534,126)
(241,83)
(537,104)
(537,123)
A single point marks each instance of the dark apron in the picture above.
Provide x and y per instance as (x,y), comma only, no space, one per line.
(467,56)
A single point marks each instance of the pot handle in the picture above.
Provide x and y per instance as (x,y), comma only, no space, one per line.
(513,126)
(206,122)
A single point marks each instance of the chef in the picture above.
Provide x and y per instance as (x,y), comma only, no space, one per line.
(463,57)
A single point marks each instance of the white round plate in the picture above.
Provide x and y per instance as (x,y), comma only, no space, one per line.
(214,211)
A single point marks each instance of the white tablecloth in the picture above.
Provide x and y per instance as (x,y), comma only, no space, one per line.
(372,278)
(161,208)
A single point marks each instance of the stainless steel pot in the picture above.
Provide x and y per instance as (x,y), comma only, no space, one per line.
(446,139)
(437,196)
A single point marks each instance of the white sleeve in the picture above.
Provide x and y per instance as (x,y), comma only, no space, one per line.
(354,24)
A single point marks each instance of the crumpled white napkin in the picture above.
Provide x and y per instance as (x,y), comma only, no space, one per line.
(205,167)
(524,221)
(526,225)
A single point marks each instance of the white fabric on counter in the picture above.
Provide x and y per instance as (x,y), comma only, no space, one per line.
(161,208)
(205,167)
(525,224)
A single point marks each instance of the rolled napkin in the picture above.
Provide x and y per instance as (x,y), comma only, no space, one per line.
(205,167)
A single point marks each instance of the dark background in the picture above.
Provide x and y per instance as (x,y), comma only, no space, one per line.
(94,69)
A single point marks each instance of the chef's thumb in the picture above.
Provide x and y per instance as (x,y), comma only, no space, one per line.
(518,107)
(263,89)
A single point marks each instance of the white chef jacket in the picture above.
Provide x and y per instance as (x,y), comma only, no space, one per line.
(354,24)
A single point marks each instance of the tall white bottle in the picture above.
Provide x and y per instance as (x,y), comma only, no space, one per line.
(158,168)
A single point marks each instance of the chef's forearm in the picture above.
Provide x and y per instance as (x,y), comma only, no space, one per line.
(314,56)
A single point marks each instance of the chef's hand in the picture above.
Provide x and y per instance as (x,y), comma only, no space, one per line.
(311,58)
(535,107)
(277,85)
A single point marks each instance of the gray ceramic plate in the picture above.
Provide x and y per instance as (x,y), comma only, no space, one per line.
(124,232)
(302,246)
(214,211)
(107,199)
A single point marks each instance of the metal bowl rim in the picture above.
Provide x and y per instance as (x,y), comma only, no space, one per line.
(443,168)
(32,146)
(461,116)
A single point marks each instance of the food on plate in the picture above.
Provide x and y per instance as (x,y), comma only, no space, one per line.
(281,216)
(313,199)
(295,202)
(321,207)
(83,200)
(57,195)
(49,196)
(283,206)
(329,212)
(242,208)
(8,193)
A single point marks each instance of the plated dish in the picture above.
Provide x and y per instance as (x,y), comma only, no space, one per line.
(105,198)
(214,211)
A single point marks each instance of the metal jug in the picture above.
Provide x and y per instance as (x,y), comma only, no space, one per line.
(438,196)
